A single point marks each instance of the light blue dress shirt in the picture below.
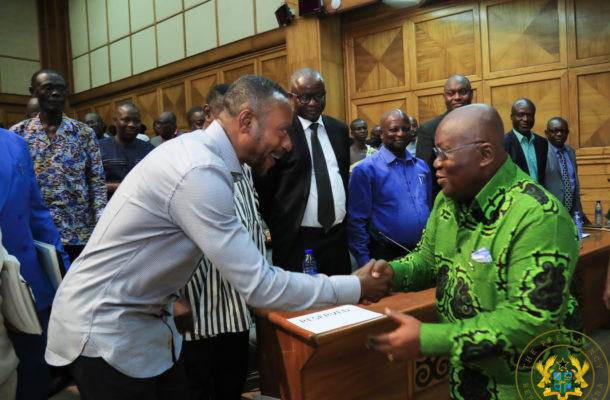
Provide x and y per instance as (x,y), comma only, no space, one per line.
(530,153)
(115,301)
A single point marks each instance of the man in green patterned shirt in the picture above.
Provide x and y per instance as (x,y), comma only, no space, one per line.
(501,252)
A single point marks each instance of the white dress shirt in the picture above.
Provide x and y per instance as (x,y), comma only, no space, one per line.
(116,298)
(310,218)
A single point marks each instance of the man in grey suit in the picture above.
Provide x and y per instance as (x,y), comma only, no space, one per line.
(561,175)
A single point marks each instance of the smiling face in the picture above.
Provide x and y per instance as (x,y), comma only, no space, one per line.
(51,92)
(310,87)
(269,136)
(457,93)
(396,132)
(127,122)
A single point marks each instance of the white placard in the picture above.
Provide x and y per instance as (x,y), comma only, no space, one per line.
(333,318)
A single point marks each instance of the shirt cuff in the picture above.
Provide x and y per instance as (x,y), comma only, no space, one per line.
(347,288)
(435,339)
(399,273)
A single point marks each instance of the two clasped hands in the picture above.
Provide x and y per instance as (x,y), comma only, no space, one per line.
(402,343)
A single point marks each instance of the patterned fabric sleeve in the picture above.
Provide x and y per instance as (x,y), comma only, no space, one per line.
(537,283)
(95,176)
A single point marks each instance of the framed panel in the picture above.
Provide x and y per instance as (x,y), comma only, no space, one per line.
(443,44)
(532,40)
(173,99)
(275,68)
(371,109)
(234,71)
(147,103)
(548,91)
(590,87)
(377,60)
(105,110)
(199,87)
(588,31)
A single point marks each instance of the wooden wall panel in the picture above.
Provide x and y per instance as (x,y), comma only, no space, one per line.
(105,110)
(593,97)
(148,104)
(173,98)
(12,115)
(523,36)
(274,68)
(545,93)
(379,60)
(230,74)
(590,31)
(371,110)
(200,87)
(445,45)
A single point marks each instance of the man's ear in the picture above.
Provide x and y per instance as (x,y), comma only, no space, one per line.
(488,154)
(245,119)
(32,91)
(207,113)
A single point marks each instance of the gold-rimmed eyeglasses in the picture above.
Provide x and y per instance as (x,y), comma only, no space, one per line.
(442,154)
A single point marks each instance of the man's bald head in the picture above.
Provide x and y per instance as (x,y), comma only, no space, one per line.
(457,92)
(471,141)
(395,131)
(32,108)
(96,123)
(305,74)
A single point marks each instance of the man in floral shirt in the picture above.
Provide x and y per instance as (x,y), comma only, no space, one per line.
(67,162)
(501,252)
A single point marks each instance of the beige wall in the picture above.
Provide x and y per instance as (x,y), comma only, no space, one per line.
(116,39)
(19,51)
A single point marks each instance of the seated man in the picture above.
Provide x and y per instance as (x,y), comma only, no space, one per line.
(561,175)
(501,252)
(123,151)
(389,196)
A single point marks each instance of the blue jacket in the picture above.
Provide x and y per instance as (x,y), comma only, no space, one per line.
(24,217)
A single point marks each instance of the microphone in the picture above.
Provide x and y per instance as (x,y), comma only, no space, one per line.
(378,232)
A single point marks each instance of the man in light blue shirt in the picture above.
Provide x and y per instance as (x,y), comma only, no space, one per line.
(390,195)
(525,148)
(111,321)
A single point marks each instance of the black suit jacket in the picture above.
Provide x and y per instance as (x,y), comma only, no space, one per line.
(425,144)
(514,150)
(284,189)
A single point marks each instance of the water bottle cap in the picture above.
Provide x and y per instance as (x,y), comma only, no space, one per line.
(308,251)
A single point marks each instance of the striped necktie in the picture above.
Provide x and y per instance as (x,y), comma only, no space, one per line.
(565,177)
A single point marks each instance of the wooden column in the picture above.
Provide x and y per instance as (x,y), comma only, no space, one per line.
(315,42)
(54,37)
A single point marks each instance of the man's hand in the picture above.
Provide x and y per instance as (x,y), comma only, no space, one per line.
(183,316)
(372,288)
(381,267)
(401,344)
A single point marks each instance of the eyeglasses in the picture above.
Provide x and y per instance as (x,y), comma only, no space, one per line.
(306,98)
(442,154)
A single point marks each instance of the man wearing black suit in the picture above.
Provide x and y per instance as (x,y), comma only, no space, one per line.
(457,93)
(561,175)
(303,197)
(525,148)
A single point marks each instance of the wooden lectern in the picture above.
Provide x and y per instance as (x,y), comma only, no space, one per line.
(296,364)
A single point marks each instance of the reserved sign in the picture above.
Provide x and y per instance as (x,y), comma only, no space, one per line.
(333,318)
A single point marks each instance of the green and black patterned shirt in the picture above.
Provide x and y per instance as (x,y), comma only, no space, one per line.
(502,268)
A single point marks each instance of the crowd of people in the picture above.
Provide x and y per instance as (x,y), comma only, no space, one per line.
(165,250)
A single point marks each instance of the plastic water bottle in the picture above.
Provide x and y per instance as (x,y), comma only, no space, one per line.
(598,214)
(578,222)
(310,266)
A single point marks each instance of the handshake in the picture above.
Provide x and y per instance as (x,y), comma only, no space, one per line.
(375,280)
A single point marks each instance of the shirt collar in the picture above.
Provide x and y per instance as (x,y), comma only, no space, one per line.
(502,179)
(305,123)
(520,137)
(389,157)
(226,150)
(557,149)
